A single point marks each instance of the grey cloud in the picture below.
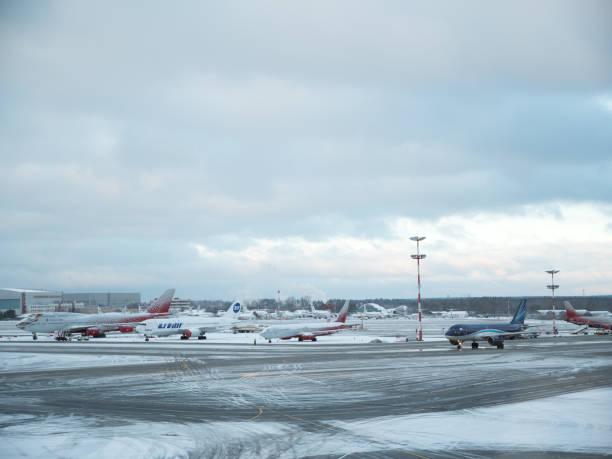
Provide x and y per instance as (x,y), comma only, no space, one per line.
(215,123)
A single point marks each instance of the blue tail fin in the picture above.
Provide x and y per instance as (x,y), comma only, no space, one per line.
(235,309)
(521,312)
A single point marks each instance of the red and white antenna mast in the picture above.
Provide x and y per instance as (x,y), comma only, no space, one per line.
(553,287)
(418,257)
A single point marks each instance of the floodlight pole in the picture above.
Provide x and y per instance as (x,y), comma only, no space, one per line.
(553,287)
(418,257)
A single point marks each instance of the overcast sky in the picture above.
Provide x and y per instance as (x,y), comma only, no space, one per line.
(229,149)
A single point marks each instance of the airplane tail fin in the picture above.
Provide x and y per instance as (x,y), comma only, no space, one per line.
(162,304)
(343,312)
(521,312)
(235,308)
(570,312)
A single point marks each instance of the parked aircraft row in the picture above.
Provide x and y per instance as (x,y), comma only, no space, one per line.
(96,325)
(158,321)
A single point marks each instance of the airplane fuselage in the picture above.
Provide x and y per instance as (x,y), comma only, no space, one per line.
(52,322)
(306,329)
(475,332)
(593,323)
(179,325)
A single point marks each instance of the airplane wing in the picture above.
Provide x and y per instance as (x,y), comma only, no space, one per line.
(75,329)
(102,328)
(579,330)
(213,327)
(322,332)
(497,334)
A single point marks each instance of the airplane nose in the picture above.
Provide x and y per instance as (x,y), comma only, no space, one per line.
(27,321)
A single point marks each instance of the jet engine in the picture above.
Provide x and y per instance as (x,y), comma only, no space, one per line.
(95,333)
(186,334)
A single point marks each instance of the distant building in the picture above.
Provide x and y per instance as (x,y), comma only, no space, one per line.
(179,305)
(107,299)
(23,301)
(450,314)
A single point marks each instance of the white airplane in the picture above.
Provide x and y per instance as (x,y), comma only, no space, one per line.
(319,313)
(301,313)
(95,325)
(307,331)
(261,314)
(282,315)
(188,326)
(372,311)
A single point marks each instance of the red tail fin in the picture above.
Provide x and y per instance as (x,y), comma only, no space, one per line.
(570,312)
(343,312)
(162,304)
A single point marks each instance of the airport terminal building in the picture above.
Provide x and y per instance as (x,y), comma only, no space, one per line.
(107,299)
(28,300)
(24,301)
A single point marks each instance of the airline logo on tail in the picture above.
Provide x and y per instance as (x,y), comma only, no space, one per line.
(521,312)
(162,304)
(343,312)
(234,309)
(570,312)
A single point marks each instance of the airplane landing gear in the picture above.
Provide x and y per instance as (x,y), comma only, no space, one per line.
(270,341)
(459,345)
(201,336)
(61,336)
(474,345)
(500,345)
(34,337)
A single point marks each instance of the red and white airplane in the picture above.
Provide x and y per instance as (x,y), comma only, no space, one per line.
(308,331)
(571,315)
(95,325)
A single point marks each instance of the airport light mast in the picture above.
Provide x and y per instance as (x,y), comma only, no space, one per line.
(418,257)
(552,273)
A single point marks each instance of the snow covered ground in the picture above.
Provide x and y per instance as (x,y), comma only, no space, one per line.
(577,422)
(571,423)
(122,397)
(34,361)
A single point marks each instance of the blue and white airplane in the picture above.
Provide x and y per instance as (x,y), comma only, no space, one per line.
(493,333)
(186,326)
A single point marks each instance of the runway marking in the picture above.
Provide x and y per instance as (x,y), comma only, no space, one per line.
(339,430)
(344,431)
(257,415)
(192,373)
